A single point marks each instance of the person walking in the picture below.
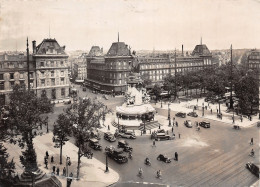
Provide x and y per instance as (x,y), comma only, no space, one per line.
(179,136)
(52,159)
(217,110)
(154,143)
(46,163)
(64,171)
(176,156)
(47,154)
(108,127)
(252,141)
(172,129)
(176,123)
(211,111)
(58,171)
(53,169)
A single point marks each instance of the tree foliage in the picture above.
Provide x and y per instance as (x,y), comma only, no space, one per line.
(84,116)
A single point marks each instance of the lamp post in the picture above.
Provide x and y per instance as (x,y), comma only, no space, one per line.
(107,170)
(169,114)
(118,121)
(202,109)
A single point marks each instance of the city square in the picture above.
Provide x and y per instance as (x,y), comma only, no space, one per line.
(100,111)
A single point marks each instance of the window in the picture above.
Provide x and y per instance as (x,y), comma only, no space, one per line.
(21,76)
(52,63)
(53,82)
(42,73)
(11,65)
(61,63)
(21,82)
(2,87)
(31,75)
(11,75)
(62,81)
(62,73)
(42,64)
(42,82)
(31,83)
(63,92)
(12,83)
(53,94)
(52,73)
(1,76)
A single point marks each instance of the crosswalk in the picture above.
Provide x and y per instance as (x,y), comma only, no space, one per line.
(148,126)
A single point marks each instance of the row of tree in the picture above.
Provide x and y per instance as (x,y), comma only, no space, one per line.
(27,112)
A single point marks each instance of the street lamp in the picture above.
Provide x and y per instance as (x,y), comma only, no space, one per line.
(107,170)
(202,109)
(169,115)
(118,121)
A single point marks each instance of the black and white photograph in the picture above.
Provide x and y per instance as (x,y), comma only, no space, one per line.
(129,93)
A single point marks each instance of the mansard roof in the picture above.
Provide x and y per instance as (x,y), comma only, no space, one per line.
(48,45)
(201,50)
(119,49)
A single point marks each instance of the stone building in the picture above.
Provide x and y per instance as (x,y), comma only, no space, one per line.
(51,67)
(14,70)
(109,73)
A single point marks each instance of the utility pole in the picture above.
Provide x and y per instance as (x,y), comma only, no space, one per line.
(175,74)
(231,86)
(28,68)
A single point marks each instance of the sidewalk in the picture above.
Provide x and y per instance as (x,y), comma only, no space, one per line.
(226,117)
(92,171)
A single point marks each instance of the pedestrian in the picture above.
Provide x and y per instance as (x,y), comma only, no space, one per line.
(46,163)
(250,118)
(47,154)
(173,118)
(53,139)
(53,169)
(172,129)
(159,126)
(176,156)
(176,123)
(154,143)
(52,159)
(241,118)
(58,171)
(141,133)
(252,141)
(150,131)
(64,171)
(217,110)
(167,132)
(179,135)
(211,111)
(108,127)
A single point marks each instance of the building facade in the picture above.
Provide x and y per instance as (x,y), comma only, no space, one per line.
(254,64)
(48,71)
(14,70)
(51,67)
(109,73)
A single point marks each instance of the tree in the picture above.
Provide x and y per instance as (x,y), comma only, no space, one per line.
(25,116)
(62,130)
(84,116)
(157,91)
(246,90)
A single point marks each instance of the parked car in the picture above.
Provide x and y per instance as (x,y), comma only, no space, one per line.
(109,137)
(204,124)
(192,114)
(93,143)
(253,168)
(162,136)
(181,114)
(163,158)
(123,144)
(116,154)
(188,123)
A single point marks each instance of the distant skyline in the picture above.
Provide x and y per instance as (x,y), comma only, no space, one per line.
(142,24)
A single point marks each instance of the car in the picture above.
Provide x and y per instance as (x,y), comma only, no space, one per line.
(181,114)
(192,114)
(93,143)
(84,89)
(163,158)
(123,144)
(109,137)
(253,168)
(204,124)
(258,124)
(126,134)
(162,136)
(188,123)
(116,154)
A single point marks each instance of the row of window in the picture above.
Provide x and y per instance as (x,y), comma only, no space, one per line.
(11,76)
(43,73)
(7,65)
(53,82)
(160,66)
(52,64)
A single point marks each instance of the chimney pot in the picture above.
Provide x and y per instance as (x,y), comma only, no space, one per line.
(34,46)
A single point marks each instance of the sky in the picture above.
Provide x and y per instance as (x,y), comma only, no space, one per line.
(142,24)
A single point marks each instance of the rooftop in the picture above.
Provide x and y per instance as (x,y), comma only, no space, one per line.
(50,47)
(119,49)
(201,50)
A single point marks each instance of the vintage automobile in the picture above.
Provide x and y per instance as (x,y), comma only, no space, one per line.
(116,154)
(181,114)
(253,168)
(162,136)
(163,158)
(125,134)
(93,143)
(204,124)
(188,123)
(192,114)
(109,137)
(123,144)
(95,134)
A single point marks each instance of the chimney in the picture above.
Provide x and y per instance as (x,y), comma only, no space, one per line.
(182,50)
(34,46)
